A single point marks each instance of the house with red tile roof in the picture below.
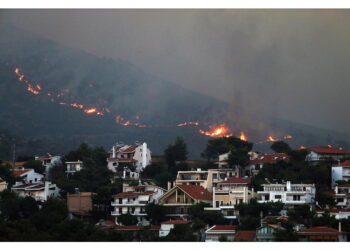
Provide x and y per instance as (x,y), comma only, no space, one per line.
(245,236)
(28,175)
(166,226)
(180,197)
(267,232)
(341,172)
(258,162)
(338,213)
(40,191)
(216,232)
(133,200)
(137,156)
(322,234)
(323,153)
(48,161)
(229,193)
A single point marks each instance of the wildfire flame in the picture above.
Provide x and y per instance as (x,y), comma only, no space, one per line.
(243,137)
(219,131)
(271,139)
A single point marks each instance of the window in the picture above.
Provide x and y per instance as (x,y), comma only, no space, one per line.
(120,210)
(278,197)
(120,200)
(296,197)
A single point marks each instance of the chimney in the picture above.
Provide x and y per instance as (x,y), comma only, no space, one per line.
(336,189)
(339,226)
(199,169)
(169,185)
(144,155)
(289,186)
(113,152)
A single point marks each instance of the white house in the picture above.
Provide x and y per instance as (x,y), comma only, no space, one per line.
(214,233)
(342,195)
(166,226)
(28,175)
(74,166)
(48,161)
(133,200)
(287,193)
(139,156)
(323,153)
(341,172)
(337,213)
(39,191)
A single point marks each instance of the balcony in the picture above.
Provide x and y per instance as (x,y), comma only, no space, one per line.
(292,202)
(114,213)
(128,204)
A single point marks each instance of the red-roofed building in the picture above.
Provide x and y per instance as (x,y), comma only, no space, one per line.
(133,200)
(138,156)
(323,153)
(341,195)
(245,236)
(48,161)
(179,198)
(338,213)
(230,193)
(216,232)
(166,226)
(341,172)
(322,234)
(257,163)
(28,175)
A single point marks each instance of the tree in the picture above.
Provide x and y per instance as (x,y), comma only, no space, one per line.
(176,152)
(223,238)
(181,232)
(127,219)
(280,147)
(222,145)
(325,199)
(155,213)
(301,215)
(36,165)
(286,235)
(210,218)
(238,157)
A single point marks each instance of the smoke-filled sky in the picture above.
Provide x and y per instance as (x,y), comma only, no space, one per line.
(291,64)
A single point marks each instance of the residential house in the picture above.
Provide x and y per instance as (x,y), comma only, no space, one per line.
(207,179)
(341,172)
(3,185)
(136,156)
(48,161)
(223,158)
(28,176)
(342,195)
(166,226)
(317,154)
(245,236)
(256,164)
(322,234)
(180,197)
(337,213)
(40,191)
(217,232)
(228,194)
(73,166)
(267,232)
(133,200)
(80,204)
(288,193)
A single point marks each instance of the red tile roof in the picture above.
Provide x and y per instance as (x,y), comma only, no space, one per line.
(223,228)
(136,227)
(237,181)
(245,236)
(129,149)
(20,172)
(196,192)
(344,186)
(270,158)
(176,222)
(335,210)
(127,194)
(327,150)
(319,230)
(344,163)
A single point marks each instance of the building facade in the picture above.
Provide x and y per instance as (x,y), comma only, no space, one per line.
(317,154)
(48,161)
(73,166)
(288,193)
(133,200)
(137,156)
(40,191)
(341,172)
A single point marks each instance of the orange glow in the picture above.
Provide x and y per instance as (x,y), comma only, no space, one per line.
(271,138)
(243,137)
(302,147)
(32,90)
(287,137)
(219,131)
(90,110)
(329,145)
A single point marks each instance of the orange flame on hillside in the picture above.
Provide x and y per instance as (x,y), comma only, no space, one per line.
(243,137)
(271,138)
(219,131)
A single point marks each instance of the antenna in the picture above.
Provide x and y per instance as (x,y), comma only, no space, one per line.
(14,156)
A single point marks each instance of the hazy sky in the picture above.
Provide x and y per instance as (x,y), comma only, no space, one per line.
(292,64)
